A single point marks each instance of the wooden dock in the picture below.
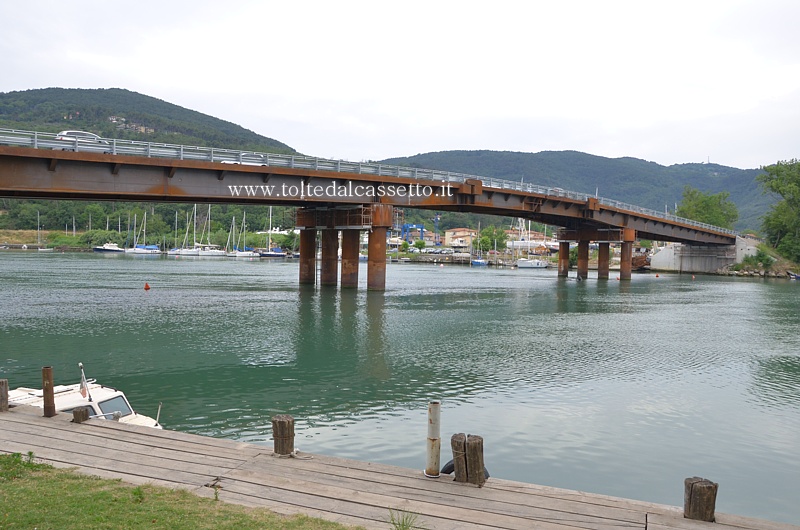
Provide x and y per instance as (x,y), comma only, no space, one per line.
(345,491)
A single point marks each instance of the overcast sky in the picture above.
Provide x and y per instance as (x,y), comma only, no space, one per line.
(670,82)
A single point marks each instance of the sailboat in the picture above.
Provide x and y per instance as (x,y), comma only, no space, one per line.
(144,248)
(478,261)
(528,262)
(270,252)
(39,236)
(240,248)
(185,249)
(209,250)
(176,249)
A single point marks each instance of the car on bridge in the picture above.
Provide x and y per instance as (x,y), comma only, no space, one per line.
(83,141)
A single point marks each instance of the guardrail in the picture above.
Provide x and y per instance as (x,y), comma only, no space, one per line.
(43,140)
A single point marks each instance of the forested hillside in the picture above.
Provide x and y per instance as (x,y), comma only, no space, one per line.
(118,113)
(626,179)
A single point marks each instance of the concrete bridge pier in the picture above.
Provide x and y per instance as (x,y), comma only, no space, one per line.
(583,259)
(603,261)
(563,259)
(626,253)
(376,259)
(350,241)
(308,256)
(376,218)
(329,272)
(382,217)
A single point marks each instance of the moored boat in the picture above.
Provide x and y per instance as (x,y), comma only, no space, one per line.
(529,263)
(275,252)
(104,402)
(109,248)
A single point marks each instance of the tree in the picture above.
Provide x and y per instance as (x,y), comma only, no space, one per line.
(492,237)
(782,222)
(419,243)
(714,209)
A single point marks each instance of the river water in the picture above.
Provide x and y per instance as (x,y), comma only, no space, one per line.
(620,388)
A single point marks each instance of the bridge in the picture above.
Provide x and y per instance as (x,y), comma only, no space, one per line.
(332,196)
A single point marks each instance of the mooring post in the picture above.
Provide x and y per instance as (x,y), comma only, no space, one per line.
(475,474)
(3,395)
(283,434)
(80,414)
(434,440)
(47,392)
(699,499)
(458,442)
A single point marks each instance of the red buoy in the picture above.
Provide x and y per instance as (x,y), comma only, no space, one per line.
(146,286)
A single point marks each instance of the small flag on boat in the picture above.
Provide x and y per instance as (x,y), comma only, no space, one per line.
(84,389)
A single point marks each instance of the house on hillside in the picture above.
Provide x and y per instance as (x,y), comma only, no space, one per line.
(459,237)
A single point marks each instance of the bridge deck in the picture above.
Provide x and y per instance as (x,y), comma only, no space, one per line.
(345,491)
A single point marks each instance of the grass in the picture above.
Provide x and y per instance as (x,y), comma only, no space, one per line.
(34,495)
(20,237)
(401,520)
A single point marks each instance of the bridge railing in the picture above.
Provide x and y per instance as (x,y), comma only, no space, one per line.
(44,140)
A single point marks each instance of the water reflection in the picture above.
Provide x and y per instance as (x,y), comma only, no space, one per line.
(776,380)
(577,379)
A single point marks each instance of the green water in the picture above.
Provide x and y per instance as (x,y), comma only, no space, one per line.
(620,388)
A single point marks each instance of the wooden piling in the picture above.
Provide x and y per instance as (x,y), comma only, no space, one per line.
(283,434)
(699,499)
(458,442)
(475,473)
(3,395)
(433,452)
(48,393)
(80,414)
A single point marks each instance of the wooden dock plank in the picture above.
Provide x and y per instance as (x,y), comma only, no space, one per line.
(723,522)
(415,486)
(339,465)
(78,438)
(412,482)
(346,491)
(145,436)
(376,507)
(70,450)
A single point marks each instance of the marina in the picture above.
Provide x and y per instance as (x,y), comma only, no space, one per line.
(582,383)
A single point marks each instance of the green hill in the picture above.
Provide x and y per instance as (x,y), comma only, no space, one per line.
(629,180)
(118,113)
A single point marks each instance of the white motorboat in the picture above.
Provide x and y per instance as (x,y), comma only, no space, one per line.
(529,263)
(109,248)
(104,402)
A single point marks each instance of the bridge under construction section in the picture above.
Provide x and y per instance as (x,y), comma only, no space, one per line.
(332,196)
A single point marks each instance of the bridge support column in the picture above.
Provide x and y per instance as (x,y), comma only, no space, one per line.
(350,241)
(376,259)
(382,215)
(308,256)
(626,256)
(563,259)
(602,261)
(583,259)
(329,274)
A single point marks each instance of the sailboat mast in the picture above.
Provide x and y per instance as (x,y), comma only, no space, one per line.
(269,234)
